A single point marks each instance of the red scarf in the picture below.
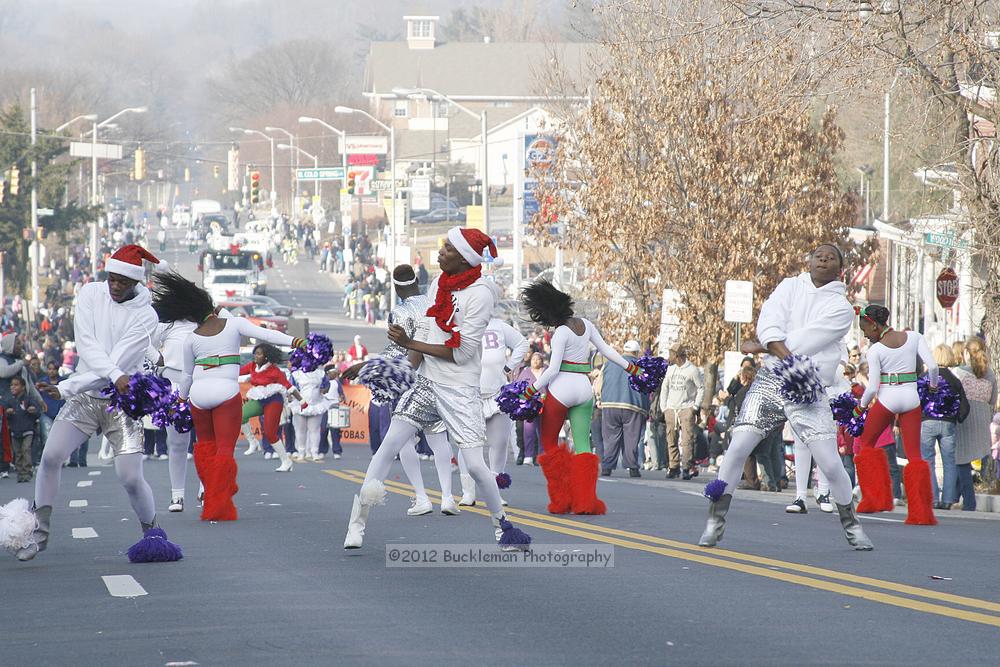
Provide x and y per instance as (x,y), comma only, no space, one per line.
(443,310)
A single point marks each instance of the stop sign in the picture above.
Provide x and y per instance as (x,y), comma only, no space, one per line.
(947,288)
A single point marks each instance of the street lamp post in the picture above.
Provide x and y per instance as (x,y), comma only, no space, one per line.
(391,254)
(314,158)
(340,133)
(93,178)
(270,140)
(408,92)
(291,169)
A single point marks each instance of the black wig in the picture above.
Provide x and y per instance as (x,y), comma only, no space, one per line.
(176,298)
(271,353)
(547,305)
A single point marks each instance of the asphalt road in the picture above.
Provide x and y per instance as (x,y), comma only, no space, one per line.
(276,588)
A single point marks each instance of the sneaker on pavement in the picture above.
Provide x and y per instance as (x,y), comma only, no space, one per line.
(797,507)
(420,507)
(528,460)
(163,457)
(673,473)
(824,503)
(449,507)
(336,456)
(176,505)
(634,472)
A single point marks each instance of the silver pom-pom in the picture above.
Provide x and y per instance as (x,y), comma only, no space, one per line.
(387,378)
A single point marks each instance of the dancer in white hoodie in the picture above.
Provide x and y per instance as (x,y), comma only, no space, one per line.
(806,315)
(114,324)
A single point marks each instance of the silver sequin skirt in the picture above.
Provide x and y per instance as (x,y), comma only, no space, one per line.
(90,415)
(764,410)
(436,408)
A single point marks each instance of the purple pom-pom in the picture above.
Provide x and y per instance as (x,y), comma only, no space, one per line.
(154,547)
(653,371)
(715,489)
(387,378)
(843,407)
(174,412)
(855,426)
(145,395)
(318,351)
(940,404)
(513,538)
(799,379)
(514,406)
(503,480)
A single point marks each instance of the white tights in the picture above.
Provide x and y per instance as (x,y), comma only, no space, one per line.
(63,439)
(498,432)
(803,462)
(824,451)
(307,432)
(410,460)
(177,449)
(401,434)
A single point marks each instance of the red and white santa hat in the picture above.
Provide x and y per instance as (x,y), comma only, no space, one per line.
(474,246)
(127,261)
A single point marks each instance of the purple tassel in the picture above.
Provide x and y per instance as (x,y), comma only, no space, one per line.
(503,480)
(513,537)
(799,379)
(843,407)
(318,351)
(516,407)
(715,489)
(653,371)
(173,412)
(146,394)
(940,404)
(154,547)
(387,378)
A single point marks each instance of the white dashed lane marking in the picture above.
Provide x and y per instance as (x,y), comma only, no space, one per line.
(85,483)
(84,533)
(123,586)
(78,503)
(94,473)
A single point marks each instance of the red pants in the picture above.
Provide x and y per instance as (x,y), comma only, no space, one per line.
(220,425)
(217,431)
(271,420)
(879,417)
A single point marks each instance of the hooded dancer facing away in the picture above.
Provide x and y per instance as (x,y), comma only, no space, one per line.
(571,478)
(452,350)
(806,315)
(499,340)
(411,316)
(114,324)
(211,367)
(892,377)
(266,399)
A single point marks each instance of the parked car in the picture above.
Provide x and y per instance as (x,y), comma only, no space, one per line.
(257,314)
(272,303)
(440,215)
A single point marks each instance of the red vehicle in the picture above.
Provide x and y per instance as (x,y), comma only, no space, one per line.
(258,314)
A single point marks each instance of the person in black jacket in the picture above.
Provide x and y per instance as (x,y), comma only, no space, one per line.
(941,431)
(22,415)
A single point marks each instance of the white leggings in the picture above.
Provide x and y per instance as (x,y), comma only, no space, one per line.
(410,460)
(824,451)
(803,462)
(401,433)
(498,432)
(63,439)
(177,449)
(307,432)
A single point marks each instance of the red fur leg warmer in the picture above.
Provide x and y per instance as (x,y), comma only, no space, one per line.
(872,467)
(917,478)
(583,470)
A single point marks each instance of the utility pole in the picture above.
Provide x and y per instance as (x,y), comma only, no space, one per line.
(35,246)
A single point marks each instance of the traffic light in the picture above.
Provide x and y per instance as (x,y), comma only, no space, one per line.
(351,182)
(187,174)
(255,187)
(140,165)
(15,180)
(40,233)
(215,171)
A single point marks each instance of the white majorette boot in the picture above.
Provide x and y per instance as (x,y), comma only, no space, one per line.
(286,460)
(372,493)
(253,444)
(468,491)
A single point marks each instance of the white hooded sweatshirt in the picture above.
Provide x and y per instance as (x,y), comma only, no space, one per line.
(111,337)
(811,320)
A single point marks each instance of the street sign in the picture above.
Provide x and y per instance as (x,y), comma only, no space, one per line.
(367,159)
(321,174)
(364,144)
(363,176)
(739,301)
(420,194)
(945,240)
(44,212)
(380,185)
(947,288)
(103,151)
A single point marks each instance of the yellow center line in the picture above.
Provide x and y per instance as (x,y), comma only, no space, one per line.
(697,554)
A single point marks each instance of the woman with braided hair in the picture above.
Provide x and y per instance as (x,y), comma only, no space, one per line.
(571,477)
(210,382)
(892,377)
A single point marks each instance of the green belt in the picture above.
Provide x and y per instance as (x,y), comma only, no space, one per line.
(575,367)
(898,378)
(218,361)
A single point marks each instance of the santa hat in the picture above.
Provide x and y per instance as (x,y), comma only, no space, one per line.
(475,246)
(127,261)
